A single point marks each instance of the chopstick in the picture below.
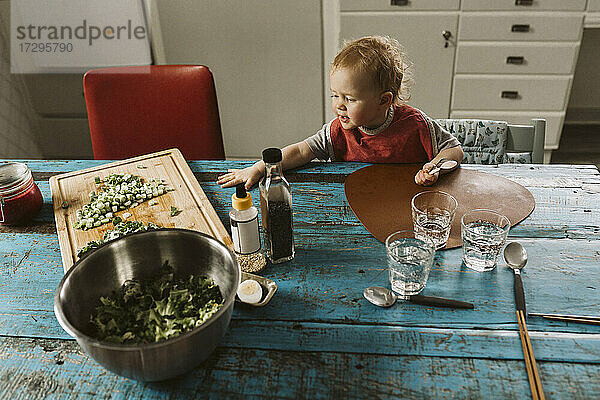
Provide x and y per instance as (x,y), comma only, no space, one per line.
(535,383)
(586,319)
(568,319)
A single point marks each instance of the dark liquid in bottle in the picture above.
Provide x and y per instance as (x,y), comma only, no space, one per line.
(280,229)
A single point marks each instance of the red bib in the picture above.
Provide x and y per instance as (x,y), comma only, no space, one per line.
(406,140)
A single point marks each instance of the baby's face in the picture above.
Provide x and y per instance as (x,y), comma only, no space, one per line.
(355,100)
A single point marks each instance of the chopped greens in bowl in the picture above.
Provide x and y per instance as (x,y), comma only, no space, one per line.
(156,309)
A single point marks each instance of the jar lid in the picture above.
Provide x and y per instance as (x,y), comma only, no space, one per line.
(13,175)
(272,155)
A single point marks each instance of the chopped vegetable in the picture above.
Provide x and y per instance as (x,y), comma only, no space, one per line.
(156,309)
(174,211)
(118,192)
(122,228)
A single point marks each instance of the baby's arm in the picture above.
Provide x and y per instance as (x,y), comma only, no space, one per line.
(424,178)
(293,156)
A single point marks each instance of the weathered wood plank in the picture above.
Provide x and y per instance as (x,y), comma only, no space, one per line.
(324,283)
(37,368)
(559,213)
(499,344)
(528,175)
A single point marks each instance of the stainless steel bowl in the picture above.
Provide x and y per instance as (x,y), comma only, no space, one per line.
(140,255)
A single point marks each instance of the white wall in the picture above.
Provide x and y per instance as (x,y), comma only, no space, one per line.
(266,58)
(19,125)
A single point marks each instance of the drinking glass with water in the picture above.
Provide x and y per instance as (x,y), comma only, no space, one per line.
(409,261)
(483,236)
(432,214)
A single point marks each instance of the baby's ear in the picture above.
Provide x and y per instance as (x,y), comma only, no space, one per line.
(386,99)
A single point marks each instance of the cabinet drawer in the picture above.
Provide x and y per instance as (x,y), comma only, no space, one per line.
(523,5)
(516,58)
(497,92)
(554,121)
(520,27)
(397,5)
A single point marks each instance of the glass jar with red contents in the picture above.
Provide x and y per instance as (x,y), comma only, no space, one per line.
(20,197)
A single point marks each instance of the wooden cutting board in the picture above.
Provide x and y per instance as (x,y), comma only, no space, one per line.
(380,196)
(196,211)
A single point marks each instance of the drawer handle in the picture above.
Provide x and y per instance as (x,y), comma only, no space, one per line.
(515,60)
(520,28)
(510,94)
(523,2)
(399,2)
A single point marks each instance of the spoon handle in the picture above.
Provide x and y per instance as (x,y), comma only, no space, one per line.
(434,170)
(519,294)
(439,302)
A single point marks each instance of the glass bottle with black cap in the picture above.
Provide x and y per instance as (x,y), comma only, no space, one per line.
(276,209)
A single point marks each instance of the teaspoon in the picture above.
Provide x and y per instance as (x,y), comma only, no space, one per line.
(516,258)
(384,297)
(444,164)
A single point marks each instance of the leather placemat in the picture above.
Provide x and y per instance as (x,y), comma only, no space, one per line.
(380,197)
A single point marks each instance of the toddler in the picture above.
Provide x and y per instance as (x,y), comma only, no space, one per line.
(372,124)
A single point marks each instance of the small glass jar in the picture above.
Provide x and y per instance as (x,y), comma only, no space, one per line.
(20,197)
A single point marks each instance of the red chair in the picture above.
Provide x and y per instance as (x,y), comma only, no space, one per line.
(142,109)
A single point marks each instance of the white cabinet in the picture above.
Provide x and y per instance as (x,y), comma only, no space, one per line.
(515,61)
(592,16)
(420,32)
(510,60)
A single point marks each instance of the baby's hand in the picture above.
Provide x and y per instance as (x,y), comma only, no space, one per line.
(249,175)
(423,177)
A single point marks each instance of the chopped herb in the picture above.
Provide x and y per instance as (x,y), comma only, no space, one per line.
(141,166)
(97,180)
(118,192)
(174,211)
(156,309)
(122,228)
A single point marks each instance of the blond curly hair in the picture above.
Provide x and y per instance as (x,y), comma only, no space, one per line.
(383,60)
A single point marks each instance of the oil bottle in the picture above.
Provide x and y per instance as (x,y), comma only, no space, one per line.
(276,209)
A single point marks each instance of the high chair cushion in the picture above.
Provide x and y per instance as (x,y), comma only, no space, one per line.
(483,142)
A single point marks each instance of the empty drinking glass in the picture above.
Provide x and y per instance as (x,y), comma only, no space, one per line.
(409,261)
(483,236)
(432,214)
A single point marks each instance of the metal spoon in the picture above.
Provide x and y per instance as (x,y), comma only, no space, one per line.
(516,258)
(384,297)
(444,164)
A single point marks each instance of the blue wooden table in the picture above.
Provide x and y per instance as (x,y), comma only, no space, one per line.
(318,337)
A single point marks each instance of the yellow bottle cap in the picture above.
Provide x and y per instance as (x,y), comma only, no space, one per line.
(241,200)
